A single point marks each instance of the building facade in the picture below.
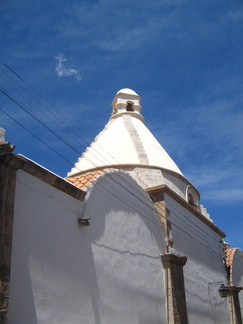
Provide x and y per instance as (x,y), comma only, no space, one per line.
(151,254)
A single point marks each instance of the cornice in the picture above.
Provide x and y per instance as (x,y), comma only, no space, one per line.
(19,162)
(185,204)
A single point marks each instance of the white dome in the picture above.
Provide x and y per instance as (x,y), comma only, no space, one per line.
(124,141)
(127,91)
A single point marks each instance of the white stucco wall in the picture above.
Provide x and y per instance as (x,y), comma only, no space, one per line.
(204,269)
(108,272)
(237,274)
(126,248)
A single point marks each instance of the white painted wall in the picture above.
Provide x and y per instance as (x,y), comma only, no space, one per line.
(127,242)
(237,274)
(204,269)
(108,272)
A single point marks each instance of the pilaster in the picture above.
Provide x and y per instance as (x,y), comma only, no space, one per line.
(233,294)
(175,290)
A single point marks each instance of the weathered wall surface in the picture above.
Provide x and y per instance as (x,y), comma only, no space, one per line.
(237,274)
(127,240)
(7,192)
(204,268)
(108,272)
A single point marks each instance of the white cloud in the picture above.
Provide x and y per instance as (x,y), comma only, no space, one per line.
(63,71)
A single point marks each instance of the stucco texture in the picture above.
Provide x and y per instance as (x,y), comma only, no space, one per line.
(108,272)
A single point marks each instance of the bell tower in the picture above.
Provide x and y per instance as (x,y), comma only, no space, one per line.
(127,102)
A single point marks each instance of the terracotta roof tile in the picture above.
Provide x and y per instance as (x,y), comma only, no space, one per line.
(83,180)
(229,256)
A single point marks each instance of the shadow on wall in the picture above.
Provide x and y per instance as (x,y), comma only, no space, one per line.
(71,274)
(127,239)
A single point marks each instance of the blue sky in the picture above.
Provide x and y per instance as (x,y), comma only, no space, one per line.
(184,58)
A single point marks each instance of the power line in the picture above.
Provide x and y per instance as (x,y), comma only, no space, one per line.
(62,122)
(35,135)
(126,203)
(44,106)
(36,118)
(156,224)
(55,116)
(39,102)
(33,116)
(21,106)
(42,123)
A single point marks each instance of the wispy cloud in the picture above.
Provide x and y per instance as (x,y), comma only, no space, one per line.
(207,143)
(63,71)
(225,196)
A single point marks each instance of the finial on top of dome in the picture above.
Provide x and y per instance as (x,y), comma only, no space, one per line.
(127,102)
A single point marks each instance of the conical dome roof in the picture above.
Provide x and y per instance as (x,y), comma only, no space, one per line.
(125,140)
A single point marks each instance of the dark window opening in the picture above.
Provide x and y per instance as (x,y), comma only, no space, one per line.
(190,199)
(129,106)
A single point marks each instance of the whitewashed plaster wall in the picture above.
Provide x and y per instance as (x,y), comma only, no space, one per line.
(204,269)
(127,242)
(108,272)
(237,274)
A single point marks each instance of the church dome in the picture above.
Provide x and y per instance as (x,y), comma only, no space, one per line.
(125,141)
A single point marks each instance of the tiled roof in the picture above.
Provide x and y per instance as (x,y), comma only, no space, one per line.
(83,180)
(229,256)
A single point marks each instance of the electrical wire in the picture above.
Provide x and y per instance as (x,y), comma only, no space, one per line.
(67,126)
(146,204)
(60,139)
(141,214)
(121,200)
(45,107)
(49,110)
(51,148)
(37,119)
(50,129)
